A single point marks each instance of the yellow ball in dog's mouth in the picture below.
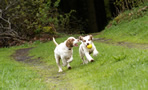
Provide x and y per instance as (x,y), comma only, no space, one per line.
(89,46)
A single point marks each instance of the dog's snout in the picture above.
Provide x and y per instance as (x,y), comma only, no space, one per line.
(87,43)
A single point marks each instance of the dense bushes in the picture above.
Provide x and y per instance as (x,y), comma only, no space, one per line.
(28,18)
(122,5)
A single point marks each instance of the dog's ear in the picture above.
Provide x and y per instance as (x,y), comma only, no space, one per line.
(91,37)
(69,43)
(80,38)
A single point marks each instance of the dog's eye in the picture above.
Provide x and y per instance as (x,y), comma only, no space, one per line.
(73,40)
(84,40)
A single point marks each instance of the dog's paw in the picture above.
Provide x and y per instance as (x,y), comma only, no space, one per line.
(92,60)
(85,62)
(69,61)
(95,53)
(60,70)
(69,67)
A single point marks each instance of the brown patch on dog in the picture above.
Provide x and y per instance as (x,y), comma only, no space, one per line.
(69,43)
(84,40)
(80,38)
(91,37)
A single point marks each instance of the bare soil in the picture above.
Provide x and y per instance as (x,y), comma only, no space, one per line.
(22,55)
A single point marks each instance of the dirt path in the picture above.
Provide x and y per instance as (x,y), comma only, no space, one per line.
(125,44)
(21,55)
(52,78)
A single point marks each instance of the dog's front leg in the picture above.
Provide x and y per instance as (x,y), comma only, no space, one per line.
(89,57)
(69,60)
(95,52)
(68,66)
(64,61)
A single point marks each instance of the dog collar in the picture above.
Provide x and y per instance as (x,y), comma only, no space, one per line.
(69,48)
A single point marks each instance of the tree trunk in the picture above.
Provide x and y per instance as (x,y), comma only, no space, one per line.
(92,20)
(100,14)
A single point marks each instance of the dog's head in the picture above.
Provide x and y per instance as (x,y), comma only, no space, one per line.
(71,42)
(86,40)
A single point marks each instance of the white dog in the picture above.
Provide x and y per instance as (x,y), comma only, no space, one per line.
(64,51)
(84,51)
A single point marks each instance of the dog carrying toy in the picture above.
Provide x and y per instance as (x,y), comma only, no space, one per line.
(89,46)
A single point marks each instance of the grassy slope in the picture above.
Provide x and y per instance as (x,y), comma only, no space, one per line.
(134,30)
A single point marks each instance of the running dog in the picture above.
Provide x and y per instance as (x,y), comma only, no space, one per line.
(64,51)
(84,51)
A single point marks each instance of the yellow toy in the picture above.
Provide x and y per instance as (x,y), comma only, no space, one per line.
(89,46)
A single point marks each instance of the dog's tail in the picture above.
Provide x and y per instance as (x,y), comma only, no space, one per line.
(55,42)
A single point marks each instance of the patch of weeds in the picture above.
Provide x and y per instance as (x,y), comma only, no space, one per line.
(37,42)
(114,22)
(119,57)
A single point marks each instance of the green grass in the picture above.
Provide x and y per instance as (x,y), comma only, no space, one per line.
(133,30)
(114,68)
(17,76)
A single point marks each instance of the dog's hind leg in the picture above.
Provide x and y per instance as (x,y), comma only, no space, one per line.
(82,57)
(86,61)
(58,63)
